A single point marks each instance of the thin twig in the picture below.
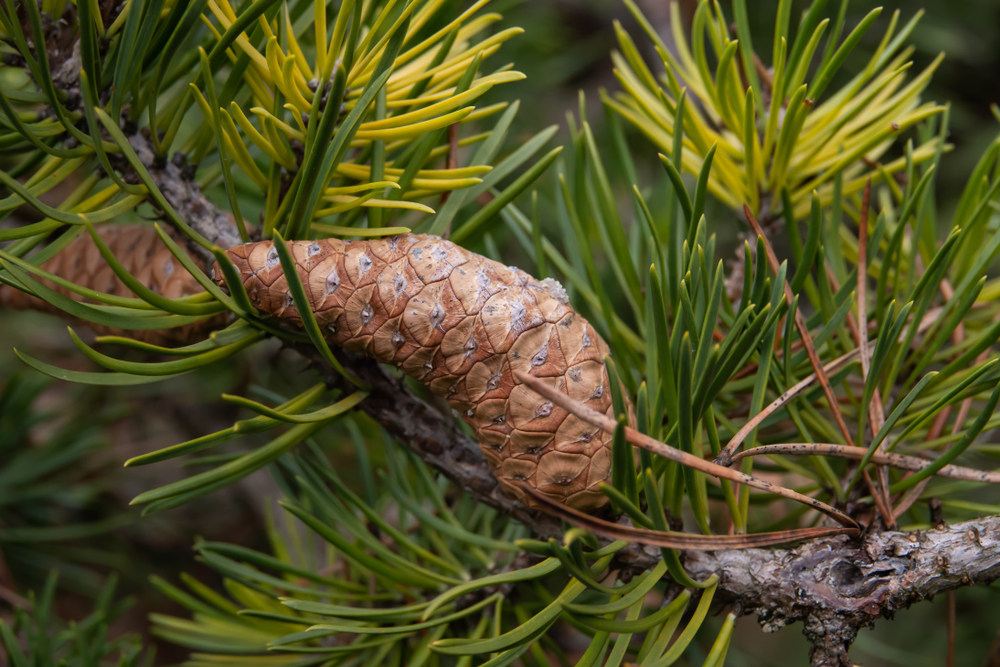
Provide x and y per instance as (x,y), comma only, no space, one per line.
(824,379)
(900,461)
(725,456)
(763,72)
(876,415)
(929,319)
(863,280)
(666,451)
(911,497)
(686,541)
(800,324)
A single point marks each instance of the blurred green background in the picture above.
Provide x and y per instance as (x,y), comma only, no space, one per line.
(565,50)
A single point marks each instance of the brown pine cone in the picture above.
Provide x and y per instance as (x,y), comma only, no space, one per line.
(140,250)
(461,323)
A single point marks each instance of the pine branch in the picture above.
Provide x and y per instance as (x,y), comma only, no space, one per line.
(835,586)
(174,178)
(434,437)
(184,195)
(834,600)
(404,415)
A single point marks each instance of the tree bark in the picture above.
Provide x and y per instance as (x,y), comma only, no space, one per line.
(836,586)
(184,195)
(434,437)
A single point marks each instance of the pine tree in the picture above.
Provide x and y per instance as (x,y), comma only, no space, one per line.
(609,446)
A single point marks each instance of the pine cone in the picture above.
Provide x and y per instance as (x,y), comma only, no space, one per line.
(460,323)
(140,250)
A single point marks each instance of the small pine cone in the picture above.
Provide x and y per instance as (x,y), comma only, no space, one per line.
(460,323)
(140,250)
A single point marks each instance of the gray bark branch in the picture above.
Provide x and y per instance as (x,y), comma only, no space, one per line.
(836,586)
(184,195)
(434,437)
(178,188)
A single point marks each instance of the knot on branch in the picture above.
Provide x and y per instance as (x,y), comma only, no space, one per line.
(837,585)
